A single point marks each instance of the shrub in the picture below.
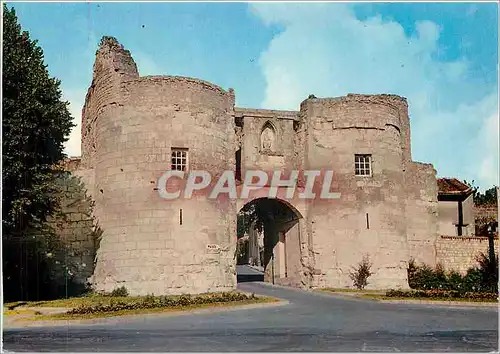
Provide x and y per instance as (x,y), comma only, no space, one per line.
(488,269)
(361,273)
(455,281)
(482,278)
(472,280)
(119,292)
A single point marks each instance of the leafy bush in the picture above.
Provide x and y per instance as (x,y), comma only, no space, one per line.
(482,278)
(119,292)
(488,268)
(472,280)
(361,273)
(455,281)
(151,302)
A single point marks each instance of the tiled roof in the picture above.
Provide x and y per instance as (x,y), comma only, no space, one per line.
(452,186)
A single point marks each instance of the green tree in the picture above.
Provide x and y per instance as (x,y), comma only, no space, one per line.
(36,124)
(489,197)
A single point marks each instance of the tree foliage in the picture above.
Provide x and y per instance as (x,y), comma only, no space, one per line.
(36,124)
(261,211)
(247,215)
(489,197)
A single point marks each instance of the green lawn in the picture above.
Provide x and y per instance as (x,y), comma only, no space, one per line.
(340,290)
(380,295)
(444,299)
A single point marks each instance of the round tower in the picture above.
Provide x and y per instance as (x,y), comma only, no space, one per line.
(155,124)
(363,139)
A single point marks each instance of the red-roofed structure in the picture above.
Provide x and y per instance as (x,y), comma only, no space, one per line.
(452,186)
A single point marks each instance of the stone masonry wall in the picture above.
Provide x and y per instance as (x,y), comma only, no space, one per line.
(78,232)
(459,252)
(254,122)
(484,215)
(113,65)
(421,212)
(75,225)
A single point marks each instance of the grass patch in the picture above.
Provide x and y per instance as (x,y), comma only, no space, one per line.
(73,301)
(429,295)
(98,299)
(82,301)
(88,316)
(98,306)
(442,294)
(340,290)
(18,311)
(442,299)
(13,305)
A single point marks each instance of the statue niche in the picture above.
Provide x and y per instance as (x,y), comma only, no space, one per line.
(268,138)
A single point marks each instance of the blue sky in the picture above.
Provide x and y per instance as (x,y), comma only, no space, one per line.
(441,56)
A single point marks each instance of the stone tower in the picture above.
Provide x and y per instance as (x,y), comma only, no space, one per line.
(369,219)
(133,130)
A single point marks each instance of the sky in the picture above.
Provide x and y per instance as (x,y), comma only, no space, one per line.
(443,57)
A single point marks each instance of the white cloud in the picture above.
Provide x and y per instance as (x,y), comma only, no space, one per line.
(75,94)
(76,99)
(488,145)
(145,64)
(325,50)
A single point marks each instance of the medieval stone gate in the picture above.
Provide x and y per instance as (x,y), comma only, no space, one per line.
(134,128)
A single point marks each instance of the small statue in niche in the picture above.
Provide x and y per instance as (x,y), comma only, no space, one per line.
(239,137)
(267,138)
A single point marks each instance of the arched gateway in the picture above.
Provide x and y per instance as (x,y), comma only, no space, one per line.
(272,238)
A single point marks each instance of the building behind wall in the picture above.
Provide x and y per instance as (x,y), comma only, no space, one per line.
(135,128)
(456,208)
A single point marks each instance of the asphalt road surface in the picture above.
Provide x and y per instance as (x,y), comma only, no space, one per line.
(310,322)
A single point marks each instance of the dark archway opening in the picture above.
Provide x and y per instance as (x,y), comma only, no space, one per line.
(268,242)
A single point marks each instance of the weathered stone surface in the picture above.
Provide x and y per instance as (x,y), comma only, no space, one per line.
(460,253)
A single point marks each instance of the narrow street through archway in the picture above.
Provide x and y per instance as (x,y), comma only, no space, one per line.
(268,234)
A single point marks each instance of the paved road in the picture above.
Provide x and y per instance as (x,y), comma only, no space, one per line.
(246,273)
(310,322)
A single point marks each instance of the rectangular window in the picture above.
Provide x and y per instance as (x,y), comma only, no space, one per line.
(363,165)
(179,159)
